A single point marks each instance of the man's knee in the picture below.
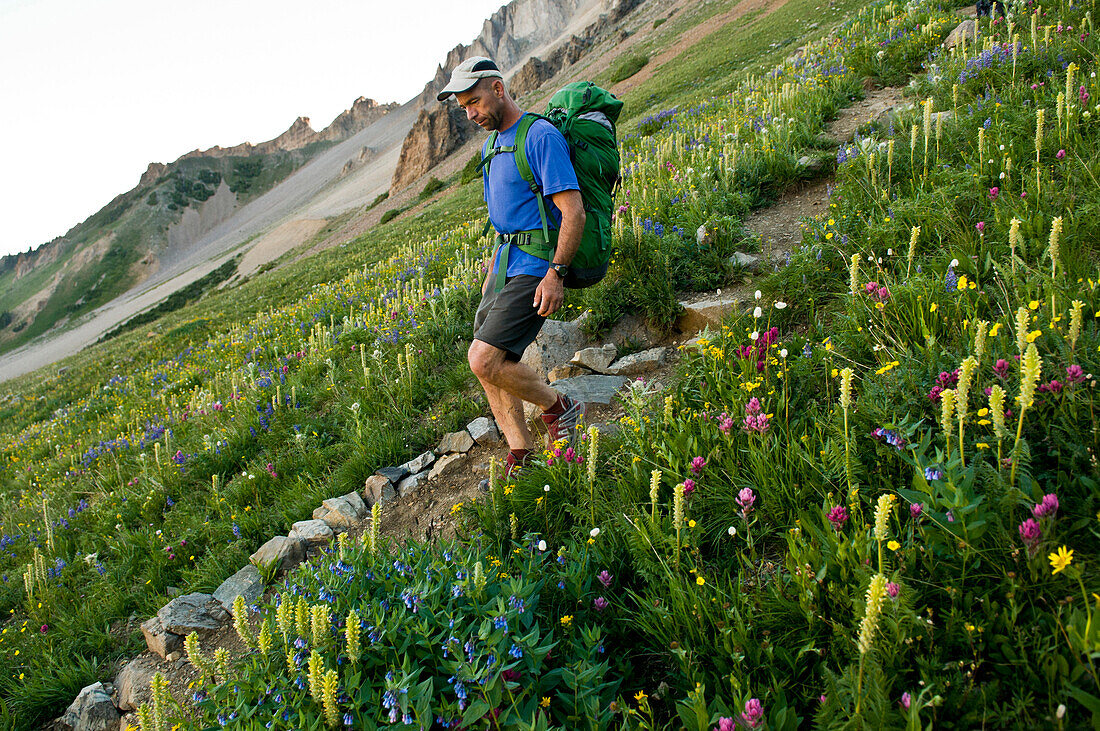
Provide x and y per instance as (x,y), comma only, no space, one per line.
(484,359)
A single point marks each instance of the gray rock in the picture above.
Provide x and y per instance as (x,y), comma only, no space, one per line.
(484,431)
(288,553)
(639,363)
(393,474)
(91,711)
(591,389)
(133,683)
(313,533)
(246,582)
(813,165)
(420,464)
(159,640)
(447,466)
(173,656)
(374,487)
(456,441)
(354,500)
(172,592)
(412,483)
(556,343)
(566,371)
(634,332)
(698,315)
(595,359)
(703,237)
(194,612)
(967,29)
(741,259)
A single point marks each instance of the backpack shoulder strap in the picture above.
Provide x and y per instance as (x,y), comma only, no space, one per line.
(524,167)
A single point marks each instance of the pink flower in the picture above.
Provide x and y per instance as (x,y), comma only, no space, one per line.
(994,192)
(1074,374)
(870,287)
(689,487)
(838,516)
(754,712)
(915,509)
(44,628)
(725,723)
(698,464)
(758,423)
(892,590)
(948,379)
(745,499)
(753,406)
(906,699)
(725,423)
(600,604)
(1047,506)
(1082,94)
(570,455)
(883,293)
(605,578)
(1001,368)
(1060,154)
(934,394)
(1030,533)
(980,225)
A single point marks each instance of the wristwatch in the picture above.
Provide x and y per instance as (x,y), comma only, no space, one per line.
(562,270)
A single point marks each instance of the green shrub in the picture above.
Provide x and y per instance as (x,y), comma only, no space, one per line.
(471,172)
(378,199)
(627,66)
(391,214)
(432,187)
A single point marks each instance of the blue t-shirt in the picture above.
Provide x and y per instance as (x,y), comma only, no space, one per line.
(512,204)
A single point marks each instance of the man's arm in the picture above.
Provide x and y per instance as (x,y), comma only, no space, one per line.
(551,292)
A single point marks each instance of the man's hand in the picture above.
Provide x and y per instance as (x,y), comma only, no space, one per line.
(550,294)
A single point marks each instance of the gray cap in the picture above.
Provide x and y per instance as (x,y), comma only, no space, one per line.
(468,73)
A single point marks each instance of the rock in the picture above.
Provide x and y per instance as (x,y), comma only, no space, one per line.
(456,441)
(566,371)
(484,431)
(633,332)
(313,533)
(133,683)
(173,656)
(172,592)
(555,344)
(420,464)
(697,315)
(439,130)
(703,237)
(447,466)
(393,474)
(814,165)
(411,483)
(159,640)
(194,612)
(356,501)
(595,359)
(945,116)
(967,29)
(639,363)
(741,259)
(92,710)
(591,389)
(288,553)
(374,489)
(247,583)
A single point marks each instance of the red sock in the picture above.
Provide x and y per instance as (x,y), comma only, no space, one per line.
(519,455)
(558,408)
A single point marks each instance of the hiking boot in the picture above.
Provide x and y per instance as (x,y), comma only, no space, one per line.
(512,467)
(563,418)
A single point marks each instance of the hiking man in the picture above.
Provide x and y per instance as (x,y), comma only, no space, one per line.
(515,304)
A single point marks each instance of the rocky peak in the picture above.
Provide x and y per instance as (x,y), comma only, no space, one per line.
(363,113)
(152,173)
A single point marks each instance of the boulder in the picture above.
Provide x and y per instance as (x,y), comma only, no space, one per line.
(412,483)
(741,259)
(393,474)
(133,683)
(814,165)
(591,389)
(375,488)
(447,466)
(356,501)
(556,343)
(419,464)
(698,315)
(456,441)
(287,552)
(341,513)
(595,359)
(159,640)
(92,710)
(484,431)
(566,371)
(195,612)
(313,533)
(247,583)
(639,363)
(633,332)
(967,29)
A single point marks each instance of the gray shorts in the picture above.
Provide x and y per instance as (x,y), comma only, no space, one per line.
(507,319)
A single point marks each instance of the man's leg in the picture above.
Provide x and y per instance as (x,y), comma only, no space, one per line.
(507,384)
(508,411)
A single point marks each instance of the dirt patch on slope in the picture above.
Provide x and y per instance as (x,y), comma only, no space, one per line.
(277,242)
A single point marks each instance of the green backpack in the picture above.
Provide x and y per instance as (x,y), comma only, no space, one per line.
(586,116)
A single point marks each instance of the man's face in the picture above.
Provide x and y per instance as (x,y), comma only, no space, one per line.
(483,104)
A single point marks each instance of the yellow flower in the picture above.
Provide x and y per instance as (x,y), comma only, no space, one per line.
(1033,305)
(933,308)
(994,330)
(691,524)
(893,545)
(1031,336)
(545,702)
(567,620)
(640,696)
(1061,559)
(700,580)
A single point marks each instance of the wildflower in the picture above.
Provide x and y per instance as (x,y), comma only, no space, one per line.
(754,712)
(892,590)
(542,545)
(600,604)
(1060,154)
(846,388)
(1074,323)
(697,465)
(1030,534)
(1074,374)
(875,594)
(594,532)
(567,620)
(906,699)
(997,410)
(725,723)
(951,280)
(1032,367)
(732,531)
(1047,506)
(994,192)
(1061,559)
(893,545)
(700,580)
(838,516)
(915,509)
(1023,319)
(1000,368)
(931,473)
(689,487)
(605,578)
(746,498)
(980,225)
(882,516)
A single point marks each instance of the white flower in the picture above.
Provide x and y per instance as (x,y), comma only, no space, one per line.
(594,532)
(732,531)
(546,488)
(757,295)
(889,252)
(719,292)
(755,335)
(757,312)
(783,353)
(1061,711)
(780,305)
(252,477)
(954,263)
(542,545)
(1002,147)
(1002,176)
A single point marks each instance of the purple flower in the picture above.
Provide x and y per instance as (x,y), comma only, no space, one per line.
(605,578)
(1074,374)
(994,192)
(950,517)
(754,712)
(758,423)
(1030,534)
(931,473)
(745,499)
(1047,506)
(980,225)
(725,723)
(892,590)
(600,604)
(915,509)
(725,423)
(838,516)
(906,699)
(1001,368)
(698,464)
(948,379)
(689,487)
(870,287)
(1060,154)
(934,394)
(752,408)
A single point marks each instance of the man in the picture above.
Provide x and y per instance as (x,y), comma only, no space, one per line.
(512,310)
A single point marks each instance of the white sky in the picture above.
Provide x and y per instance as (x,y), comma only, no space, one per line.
(92,91)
